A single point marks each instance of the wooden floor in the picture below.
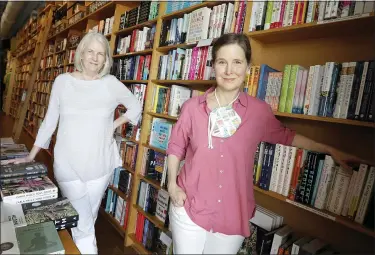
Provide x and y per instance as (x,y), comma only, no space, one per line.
(108,239)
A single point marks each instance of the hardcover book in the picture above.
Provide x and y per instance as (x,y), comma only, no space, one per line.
(58,210)
(9,244)
(13,170)
(39,239)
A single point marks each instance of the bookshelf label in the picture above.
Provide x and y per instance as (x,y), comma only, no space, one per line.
(325,215)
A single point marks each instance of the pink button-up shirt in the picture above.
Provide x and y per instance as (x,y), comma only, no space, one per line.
(219,182)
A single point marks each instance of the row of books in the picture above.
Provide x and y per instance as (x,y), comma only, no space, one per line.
(187,64)
(104,26)
(115,205)
(274,14)
(147,10)
(31,211)
(269,235)
(128,130)
(204,23)
(315,180)
(138,40)
(169,99)
(338,90)
(132,68)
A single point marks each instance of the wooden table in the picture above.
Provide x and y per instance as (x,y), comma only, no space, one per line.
(67,241)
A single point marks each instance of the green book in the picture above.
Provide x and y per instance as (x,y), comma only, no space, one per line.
(39,238)
(284,88)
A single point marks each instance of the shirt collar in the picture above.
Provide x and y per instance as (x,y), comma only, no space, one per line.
(241,97)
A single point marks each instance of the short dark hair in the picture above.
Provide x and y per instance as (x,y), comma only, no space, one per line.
(227,39)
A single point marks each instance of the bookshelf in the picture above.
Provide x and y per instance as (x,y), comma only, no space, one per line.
(304,44)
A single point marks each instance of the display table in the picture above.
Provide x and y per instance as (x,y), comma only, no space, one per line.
(67,241)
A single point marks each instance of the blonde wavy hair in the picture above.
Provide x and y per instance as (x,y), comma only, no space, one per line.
(86,40)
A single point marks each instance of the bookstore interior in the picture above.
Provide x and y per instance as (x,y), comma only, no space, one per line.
(312,63)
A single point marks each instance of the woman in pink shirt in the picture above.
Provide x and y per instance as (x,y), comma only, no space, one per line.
(217,135)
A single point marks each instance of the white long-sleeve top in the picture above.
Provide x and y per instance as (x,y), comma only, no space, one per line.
(85,148)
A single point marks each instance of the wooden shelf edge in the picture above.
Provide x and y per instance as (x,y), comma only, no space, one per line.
(135,53)
(316,24)
(151,218)
(326,119)
(118,192)
(154,183)
(164,116)
(185,82)
(138,246)
(153,148)
(129,29)
(207,3)
(134,81)
(328,215)
(113,221)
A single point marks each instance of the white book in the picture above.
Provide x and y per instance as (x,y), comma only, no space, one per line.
(179,95)
(365,199)
(13,212)
(359,187)
(253,17)
(306,104)
(340,189)
(282,174)
(348,90)
(341,86)
(9,243)
(325,180)
(6,140)
(280,237)
(315,92)
(359,6)
(349,195)
(229,18)
(289,170)
(275,167)
(280,167)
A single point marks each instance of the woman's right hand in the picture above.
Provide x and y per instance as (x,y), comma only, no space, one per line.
(17,160)
(177,195)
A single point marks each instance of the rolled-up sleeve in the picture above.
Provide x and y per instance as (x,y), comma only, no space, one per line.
(126,98)
(274,131)
(51,119)
(179,139)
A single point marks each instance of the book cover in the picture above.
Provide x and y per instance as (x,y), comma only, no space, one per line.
(9,243)
(58,210)
(39,239)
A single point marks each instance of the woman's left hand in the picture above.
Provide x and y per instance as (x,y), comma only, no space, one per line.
(347,160)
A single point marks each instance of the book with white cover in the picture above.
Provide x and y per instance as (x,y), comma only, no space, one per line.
(9,243)
(6,140)
(13,212)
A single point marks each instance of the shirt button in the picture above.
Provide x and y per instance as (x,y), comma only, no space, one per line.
(222,156)
(220,186)
(219,201)
(221,171)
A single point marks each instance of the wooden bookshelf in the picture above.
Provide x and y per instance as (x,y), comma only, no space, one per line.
(323,213)
(352,25)
(113,221)
(314,43)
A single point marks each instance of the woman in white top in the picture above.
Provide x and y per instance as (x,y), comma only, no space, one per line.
(85,154)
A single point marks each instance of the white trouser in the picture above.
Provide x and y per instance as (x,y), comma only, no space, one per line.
(189,238)
(85,198)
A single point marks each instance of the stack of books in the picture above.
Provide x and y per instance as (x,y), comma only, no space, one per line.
(31,211)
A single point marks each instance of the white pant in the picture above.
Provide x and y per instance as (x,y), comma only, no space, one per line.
(85,198)
(189,238)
